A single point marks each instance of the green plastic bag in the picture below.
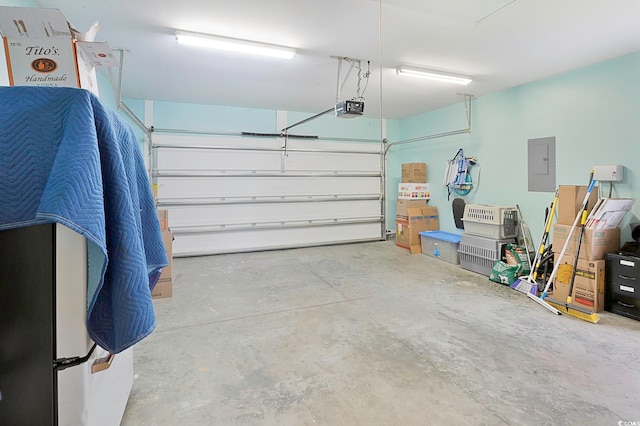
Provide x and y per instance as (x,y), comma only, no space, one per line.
(504,273)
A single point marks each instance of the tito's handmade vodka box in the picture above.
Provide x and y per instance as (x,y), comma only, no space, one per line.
(40,49)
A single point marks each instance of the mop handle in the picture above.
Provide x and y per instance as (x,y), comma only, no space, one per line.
(585,202)
(575,261)
(538,256)
(536,259)
(524,237)
(545,236)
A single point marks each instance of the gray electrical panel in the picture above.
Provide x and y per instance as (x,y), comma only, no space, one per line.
(541,155)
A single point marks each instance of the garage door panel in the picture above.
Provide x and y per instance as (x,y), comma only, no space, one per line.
(191,140)
(185,159)
(190,244)
(221,214)
(265,186)
(331,162)
(232,194)
(247,142)
(344,146)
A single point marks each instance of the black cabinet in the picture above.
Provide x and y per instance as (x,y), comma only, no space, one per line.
(50,371)
(623,284)
(27,326)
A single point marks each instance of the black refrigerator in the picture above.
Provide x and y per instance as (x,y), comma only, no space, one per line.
(51,373)
(28,381)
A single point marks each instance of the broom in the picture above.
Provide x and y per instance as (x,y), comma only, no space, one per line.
(530,284)
(568,308)
(525,232)
(540,300)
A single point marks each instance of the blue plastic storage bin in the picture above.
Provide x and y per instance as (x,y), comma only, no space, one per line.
(441,245)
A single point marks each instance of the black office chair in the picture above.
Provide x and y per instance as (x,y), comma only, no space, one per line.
(457,205)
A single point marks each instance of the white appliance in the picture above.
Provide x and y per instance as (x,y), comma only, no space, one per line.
(43,305)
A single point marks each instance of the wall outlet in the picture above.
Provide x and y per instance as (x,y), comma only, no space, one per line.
(608,173)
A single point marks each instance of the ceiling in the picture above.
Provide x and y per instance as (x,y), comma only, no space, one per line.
(499,43)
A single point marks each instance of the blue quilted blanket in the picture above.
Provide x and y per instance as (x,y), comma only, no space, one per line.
(67,158)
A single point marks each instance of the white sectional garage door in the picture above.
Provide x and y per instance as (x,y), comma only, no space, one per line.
(231,194)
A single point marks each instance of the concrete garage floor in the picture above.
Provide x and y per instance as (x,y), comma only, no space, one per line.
(366,334)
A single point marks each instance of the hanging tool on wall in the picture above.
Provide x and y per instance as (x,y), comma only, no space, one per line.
(458,175)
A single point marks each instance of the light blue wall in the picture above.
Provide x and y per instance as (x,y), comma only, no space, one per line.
(171,115)
(329,125)
(108,97)
(590,112)
(448,119)
(105,89)
(593,112)
(195,117)
(18,3)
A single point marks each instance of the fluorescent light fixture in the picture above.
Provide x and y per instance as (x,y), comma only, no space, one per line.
(234,44)
(433,75)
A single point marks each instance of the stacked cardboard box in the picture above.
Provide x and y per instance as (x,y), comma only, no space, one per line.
(163,218)
(40,49)
(570,198)
(414,184)
(414,191)
(164,287)
(595,242)
(414,173)
(589,286)
(402,207)
(412,213)
(408,228)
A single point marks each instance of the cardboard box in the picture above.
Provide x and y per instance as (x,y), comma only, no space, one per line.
(163,218)
(403,205)
(90,55)
(595,242)
(40,49)
(418,219)
(570,198)
(414,191)
(167,240)
(589,285)
(164,288)
(414,172)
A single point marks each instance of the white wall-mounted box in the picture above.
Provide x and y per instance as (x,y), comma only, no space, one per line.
(613,173)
